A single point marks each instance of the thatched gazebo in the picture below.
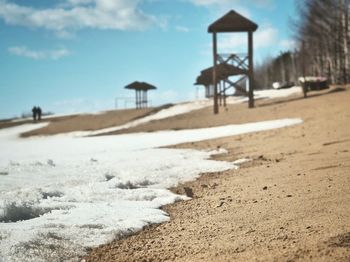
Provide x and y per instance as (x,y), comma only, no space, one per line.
(224,71)
(233,22)
(141,89)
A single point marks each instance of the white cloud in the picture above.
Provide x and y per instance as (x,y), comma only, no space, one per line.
(39,54)
(221,6)
(232,43)
(182,29)
(78,14)
(213,2)
(288,44)
(261,3)
(266,36)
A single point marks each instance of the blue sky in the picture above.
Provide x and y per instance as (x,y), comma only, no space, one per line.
(77,55)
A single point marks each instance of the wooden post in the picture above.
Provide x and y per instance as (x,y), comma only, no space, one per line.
(221,94)
(224,83)
(139,102)
(251,69)
(215,53)
(304,68)
(136,99)
(142,98)
(146,99)
(139,99)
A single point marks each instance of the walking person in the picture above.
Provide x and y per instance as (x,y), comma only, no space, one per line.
(35,112)
(39,112)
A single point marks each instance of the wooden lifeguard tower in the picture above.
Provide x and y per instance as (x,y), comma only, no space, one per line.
(232,22)
(141,89)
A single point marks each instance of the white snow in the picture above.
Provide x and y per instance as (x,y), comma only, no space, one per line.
(186,107)
(267,94)
(273,93)
(177,109)
(85,191)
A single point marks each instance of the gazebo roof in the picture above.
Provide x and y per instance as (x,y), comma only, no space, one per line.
(140,86)
(223,72)
(202,80)
(232,22)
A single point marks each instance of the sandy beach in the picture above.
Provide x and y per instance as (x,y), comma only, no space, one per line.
(185,130)
(289,203)
(89,122)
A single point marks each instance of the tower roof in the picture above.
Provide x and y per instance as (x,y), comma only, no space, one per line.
(232,22)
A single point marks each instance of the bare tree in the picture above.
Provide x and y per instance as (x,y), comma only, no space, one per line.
(324,28)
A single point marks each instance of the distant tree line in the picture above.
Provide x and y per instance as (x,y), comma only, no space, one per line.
(284,68)
(323,37)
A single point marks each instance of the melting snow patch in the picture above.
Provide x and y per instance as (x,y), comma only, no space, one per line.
(164,113)
(4,173)
(131,185)
(47,195)
(273,93)
(218,151)
(241,161)
(64,202)
(109,177)
(48,246)
(13,212)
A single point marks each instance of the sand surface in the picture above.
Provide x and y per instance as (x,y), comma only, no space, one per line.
(266,109)
(89,122)
(290,203)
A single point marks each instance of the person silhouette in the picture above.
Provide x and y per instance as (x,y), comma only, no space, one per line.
(39,112)
(35,112)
